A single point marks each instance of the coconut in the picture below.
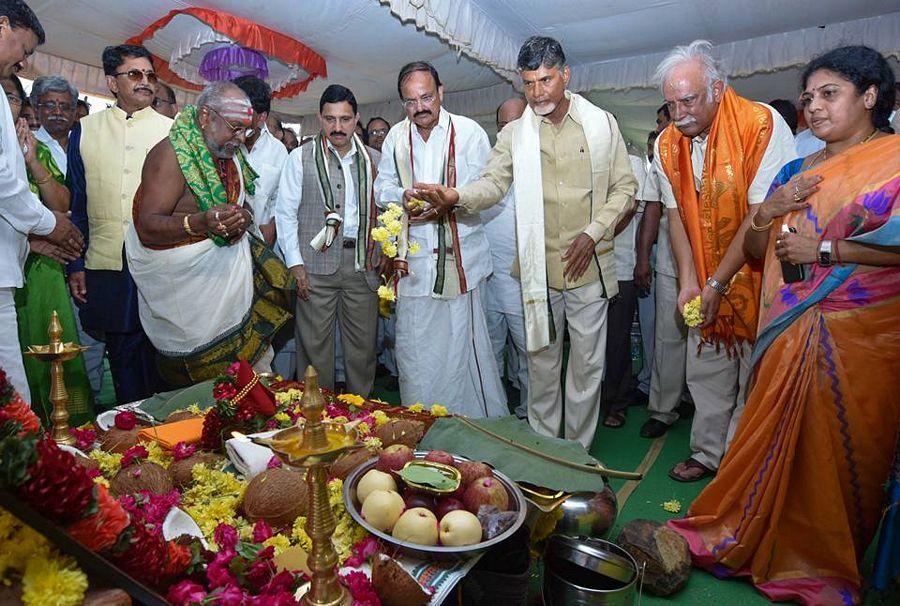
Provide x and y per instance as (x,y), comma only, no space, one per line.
(401,431)
(141,476)
(181,470)
(663,551)
(86,462)
(119,440)
(346,463)
(181,415)
(394,586)
(277,496)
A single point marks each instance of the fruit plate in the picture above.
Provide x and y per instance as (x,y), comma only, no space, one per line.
(434,552)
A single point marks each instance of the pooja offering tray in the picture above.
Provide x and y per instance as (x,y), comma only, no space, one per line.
(425,505)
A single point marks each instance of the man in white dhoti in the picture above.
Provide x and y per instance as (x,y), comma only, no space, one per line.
(573,183)
(442,346)
(209,293)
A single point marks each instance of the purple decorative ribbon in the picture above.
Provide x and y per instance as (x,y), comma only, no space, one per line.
(230,62)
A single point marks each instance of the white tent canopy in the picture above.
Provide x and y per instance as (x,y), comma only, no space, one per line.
(613,47)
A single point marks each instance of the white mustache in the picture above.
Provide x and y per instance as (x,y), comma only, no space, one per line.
(685,122)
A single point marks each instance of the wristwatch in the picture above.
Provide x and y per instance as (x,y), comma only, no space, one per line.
(717,286)
(825,259)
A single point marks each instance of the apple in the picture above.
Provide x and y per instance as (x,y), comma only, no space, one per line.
(374,480)
(485,491)
(414,499)
(382,509)
(439,456)
(417,525)
(472,470)
(460,528)
(447,504)
(394,457)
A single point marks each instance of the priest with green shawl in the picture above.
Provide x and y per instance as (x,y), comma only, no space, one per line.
(209,292)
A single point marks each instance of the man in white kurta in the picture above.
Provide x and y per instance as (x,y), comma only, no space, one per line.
(442,346)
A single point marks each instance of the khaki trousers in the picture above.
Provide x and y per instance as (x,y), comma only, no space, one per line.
(583,311)
(669,352)
(344,295)
(718,385)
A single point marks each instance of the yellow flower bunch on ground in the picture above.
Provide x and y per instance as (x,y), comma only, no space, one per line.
(417,407)
(438,411)
(673,506)
(691,312)
(214,498)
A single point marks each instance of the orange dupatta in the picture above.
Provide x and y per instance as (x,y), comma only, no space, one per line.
(737,142)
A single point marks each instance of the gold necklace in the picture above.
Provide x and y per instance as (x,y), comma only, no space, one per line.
(824,152)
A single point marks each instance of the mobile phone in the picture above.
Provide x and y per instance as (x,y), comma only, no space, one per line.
(791,272)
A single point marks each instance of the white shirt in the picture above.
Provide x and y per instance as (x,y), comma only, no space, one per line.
(21,213)
(472,150)
(807,143)
(290,192)
(624,243)
(779,152)
(267,158)
(504,290)
(56,150)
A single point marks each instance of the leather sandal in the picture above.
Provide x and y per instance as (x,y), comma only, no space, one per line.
(691,471)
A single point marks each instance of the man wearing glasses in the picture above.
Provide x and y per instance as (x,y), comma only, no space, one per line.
(440,303)
(377,130)
(106,154)
(165,102)
(54,99)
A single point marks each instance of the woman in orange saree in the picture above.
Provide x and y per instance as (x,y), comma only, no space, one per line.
(799,494)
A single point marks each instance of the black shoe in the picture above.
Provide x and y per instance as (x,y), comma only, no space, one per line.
(685,409)
(653,428)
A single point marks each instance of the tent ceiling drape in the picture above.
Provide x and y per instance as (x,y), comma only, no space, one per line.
(613,47)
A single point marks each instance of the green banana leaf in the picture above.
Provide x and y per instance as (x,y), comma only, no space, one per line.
(161,405)
(454,436)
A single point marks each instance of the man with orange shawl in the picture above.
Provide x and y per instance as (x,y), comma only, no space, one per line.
(715,161)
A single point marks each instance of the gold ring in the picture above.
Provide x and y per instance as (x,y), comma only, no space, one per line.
(797,196)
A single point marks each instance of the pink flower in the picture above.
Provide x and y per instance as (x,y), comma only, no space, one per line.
(186,593)
(361,589)
(259,573)
(125,421)
(274,463)
(233,369)
(261,531)
(226,537)
(135,454)
(281,583)
(232,595)
(363,550)
(84,438)
(218,572)
(224,391)
(158,505)
(183,450)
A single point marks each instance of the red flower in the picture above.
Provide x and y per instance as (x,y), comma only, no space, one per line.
(133,455)
(101,530)
(224,391)
(283,582)
(57,487)
(146,555)
(361,589)
(84,438)
(179,558)
(362,551)
(186,593)
(125,421)
(211,438)
(18,411)
(226,537)
(259,573)
(233,369)
(231,595)
(261,531)
(218,572)
(183,450)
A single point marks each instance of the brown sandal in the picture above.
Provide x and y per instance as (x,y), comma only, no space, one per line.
(691,471)
(615,419)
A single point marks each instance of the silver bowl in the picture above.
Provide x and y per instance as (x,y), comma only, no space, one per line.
(434,552)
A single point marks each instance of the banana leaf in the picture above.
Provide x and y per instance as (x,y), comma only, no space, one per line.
(161,405)
(454,436)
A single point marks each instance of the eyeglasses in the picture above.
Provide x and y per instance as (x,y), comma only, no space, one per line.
(52,106)
(424,100)
(236,131)
(137,75)
(157,101)
(378,132)
(13,99)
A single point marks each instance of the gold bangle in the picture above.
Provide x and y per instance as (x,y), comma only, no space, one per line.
(44,180)
(187,226)
(756,227)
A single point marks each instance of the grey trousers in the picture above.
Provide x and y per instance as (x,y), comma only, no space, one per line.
(669,352)
(347,296)
(718,385)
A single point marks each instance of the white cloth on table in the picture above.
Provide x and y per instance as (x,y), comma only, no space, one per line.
(779,151)
(249,458)
(56,150)
(444,355)
(267,158)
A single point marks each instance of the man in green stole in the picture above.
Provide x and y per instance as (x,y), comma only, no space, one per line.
(208,291)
